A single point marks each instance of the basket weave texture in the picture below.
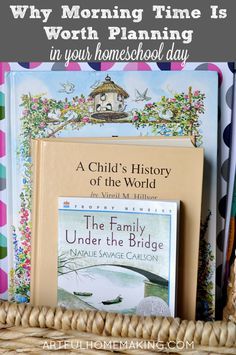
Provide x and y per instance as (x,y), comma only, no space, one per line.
(26,329)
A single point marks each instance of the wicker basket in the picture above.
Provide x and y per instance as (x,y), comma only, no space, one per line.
(43,330)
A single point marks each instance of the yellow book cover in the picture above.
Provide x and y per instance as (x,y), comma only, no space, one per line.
(131,171)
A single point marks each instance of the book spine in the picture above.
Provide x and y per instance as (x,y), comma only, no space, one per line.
(231,228)
(12,186)
(3,198)
(10,113)
(229,234)
(36,153)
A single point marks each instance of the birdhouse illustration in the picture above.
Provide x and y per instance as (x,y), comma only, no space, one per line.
(109,100)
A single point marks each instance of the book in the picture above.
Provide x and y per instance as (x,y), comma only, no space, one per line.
(229,231)
(231,238)
(59,104)
(110,170)
(111,249)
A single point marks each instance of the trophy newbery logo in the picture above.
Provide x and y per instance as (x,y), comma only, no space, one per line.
(66,204)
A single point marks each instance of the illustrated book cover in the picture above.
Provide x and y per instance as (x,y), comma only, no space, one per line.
(112,249)
(42,104)
(114,170)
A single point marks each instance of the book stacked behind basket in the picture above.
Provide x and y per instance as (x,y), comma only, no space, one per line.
(122,103)
(129,168)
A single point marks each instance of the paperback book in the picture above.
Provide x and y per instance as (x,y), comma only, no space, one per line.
(112,249)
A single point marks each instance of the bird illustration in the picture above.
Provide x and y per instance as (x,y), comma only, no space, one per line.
(108,107)
(54,117)
(122,109)
(166,114)
(67,88)
(95,84)
(141,97)
(170,90)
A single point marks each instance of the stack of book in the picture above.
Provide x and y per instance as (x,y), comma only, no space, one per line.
(107,218)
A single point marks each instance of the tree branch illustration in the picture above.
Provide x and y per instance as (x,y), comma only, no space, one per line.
(63,125)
